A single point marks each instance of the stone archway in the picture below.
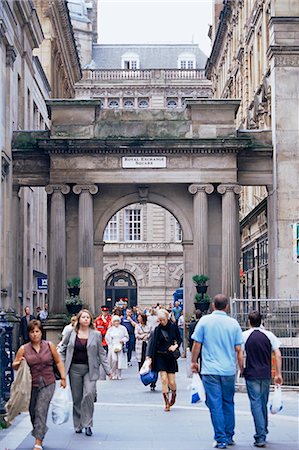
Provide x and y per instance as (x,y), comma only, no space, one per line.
(191,162)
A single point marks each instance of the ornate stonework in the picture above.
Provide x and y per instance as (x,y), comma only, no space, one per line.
(91,188)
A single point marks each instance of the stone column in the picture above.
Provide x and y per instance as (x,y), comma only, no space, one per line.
(99,288)
(200,227)
(57,249)
(230,239)
(188,283)
(85,242)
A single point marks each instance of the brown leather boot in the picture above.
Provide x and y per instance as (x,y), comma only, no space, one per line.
(167,405)
(173,398)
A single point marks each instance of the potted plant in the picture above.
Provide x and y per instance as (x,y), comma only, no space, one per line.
(73,286)
(200,281)
(202,302)
(73,304)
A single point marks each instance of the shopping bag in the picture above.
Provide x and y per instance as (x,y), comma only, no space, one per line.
(276,403)
(145,368)
(60,405)
(148,378)
(197,389)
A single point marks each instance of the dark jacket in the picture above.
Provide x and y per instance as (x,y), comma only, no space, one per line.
(23,329)
(173,336)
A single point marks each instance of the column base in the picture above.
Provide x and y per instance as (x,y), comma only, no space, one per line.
(54,326)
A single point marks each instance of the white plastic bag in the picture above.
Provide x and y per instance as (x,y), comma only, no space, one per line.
(197,390)
(145,368)
(277,403)
(60,405)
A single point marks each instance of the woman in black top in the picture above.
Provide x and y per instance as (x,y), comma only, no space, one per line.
(164,340)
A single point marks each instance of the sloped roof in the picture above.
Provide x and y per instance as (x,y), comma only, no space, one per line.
(151,56)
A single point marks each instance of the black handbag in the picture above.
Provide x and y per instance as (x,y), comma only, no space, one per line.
(56,371)
(176,353)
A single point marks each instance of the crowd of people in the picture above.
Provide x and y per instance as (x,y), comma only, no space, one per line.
(156,335)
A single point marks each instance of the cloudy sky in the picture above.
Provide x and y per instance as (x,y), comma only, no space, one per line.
(155,21)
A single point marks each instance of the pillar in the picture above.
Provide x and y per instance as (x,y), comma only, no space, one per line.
(57,249)
(230,239)
(188,283)
(85,242)
(99,288)
(200,227)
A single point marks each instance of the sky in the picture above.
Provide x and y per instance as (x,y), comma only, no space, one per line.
(155,21)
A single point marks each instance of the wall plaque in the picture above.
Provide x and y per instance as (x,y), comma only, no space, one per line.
(145,162)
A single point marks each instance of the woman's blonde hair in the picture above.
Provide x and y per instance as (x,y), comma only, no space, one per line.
(77,324)
(163,314)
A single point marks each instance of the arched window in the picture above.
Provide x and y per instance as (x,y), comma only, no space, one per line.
(113,104)
(143,103)
(128,104)
(172,103)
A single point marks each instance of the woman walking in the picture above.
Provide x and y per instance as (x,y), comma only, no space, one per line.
(40,356)
(142,332)
(116,337)
(163,342)
(83,353)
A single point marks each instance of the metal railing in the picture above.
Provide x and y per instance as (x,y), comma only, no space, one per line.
(281,316)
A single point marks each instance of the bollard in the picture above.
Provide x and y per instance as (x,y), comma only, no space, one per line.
(6,371)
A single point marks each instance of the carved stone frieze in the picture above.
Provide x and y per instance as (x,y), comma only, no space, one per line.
(286,60)
(63,188)
(91,188)
(10,56)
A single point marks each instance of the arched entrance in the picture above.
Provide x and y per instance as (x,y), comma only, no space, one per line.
(121,285)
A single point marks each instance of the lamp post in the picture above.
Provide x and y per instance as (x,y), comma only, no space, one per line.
(6,371)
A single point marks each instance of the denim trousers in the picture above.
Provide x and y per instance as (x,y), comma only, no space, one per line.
(258,393)
(220,392)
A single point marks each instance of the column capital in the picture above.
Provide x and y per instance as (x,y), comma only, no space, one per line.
(91,188)
(207,188)
(223,188)
(63,188)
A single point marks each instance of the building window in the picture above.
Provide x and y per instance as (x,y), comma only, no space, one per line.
(111,231)
(143,104)
(130,61)
(171,103)
(128,104)
(131,65)
(113,104)
(133,225)
(178,232)
(187,65)
(186,61)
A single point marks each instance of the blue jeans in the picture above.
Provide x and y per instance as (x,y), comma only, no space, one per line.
(220,391)
(258,393)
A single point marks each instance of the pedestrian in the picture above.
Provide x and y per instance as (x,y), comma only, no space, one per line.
(192,326)
(116,338)
(40,356)
(220,338)
(152,319)
(82,351)
(128,322)
(102,323)
(181,325)
(176,311)
(142,332)
(44,313)
(164,340)
(259,345)
(24,325)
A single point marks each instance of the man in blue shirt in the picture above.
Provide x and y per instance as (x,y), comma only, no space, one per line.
(176,312)
(220,338)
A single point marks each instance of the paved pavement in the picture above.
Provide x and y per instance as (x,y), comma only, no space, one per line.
(129,416)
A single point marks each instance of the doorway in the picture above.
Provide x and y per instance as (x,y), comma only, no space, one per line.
(121,286)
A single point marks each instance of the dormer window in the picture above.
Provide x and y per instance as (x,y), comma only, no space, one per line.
(130,61)
(186,61)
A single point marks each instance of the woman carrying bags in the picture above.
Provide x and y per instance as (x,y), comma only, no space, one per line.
(82,351)
(164,341)
(40,356)
(142,332)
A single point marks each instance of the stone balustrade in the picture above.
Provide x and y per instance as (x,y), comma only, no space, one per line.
(146,74)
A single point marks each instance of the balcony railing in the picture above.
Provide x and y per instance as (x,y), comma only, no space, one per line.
(146,74)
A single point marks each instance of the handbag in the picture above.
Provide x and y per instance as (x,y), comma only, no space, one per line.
(56,371)
(149,377)
(117,347)
(176,353)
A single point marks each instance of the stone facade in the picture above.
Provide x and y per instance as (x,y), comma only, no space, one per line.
(38,58)
(255,58)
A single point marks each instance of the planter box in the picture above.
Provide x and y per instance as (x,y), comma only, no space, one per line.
(201,289)
(73,309)
(202,306)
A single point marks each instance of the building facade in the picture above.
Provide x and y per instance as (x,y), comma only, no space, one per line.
(38,59)
(255,57)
